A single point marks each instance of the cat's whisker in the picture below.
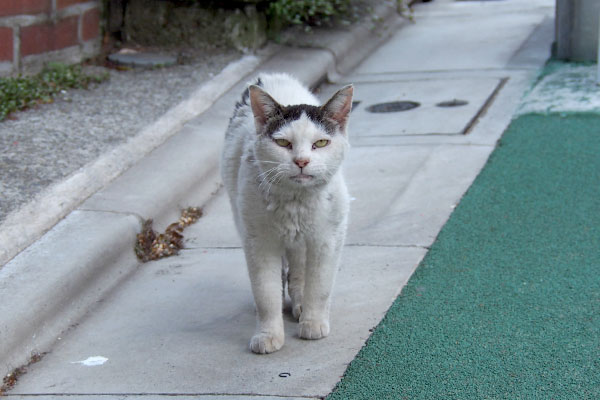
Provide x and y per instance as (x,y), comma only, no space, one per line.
(265,161)
(323,164)
(277,175)
(267,172)
(264,182)
(279,179)
(275,180)
(267,186)
(266,176)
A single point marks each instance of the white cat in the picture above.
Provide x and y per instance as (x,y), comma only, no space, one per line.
(281,168)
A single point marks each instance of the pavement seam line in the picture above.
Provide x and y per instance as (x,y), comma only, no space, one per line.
(403,246)
(467,144)
(485,107)
(123,213)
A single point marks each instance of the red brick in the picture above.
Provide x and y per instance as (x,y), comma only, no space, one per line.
(48,36)
(66,3)
(6,44)
(20,7)
(91,24)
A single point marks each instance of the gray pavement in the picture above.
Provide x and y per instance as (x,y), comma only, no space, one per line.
(180,326)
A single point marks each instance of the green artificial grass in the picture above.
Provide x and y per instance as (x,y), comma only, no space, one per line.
(506,304)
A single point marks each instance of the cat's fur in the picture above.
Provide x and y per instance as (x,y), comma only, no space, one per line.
(290,202)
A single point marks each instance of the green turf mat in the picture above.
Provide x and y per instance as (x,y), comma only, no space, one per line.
(506,304)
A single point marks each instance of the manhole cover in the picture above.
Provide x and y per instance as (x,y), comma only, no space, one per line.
(452,103)
(393,106)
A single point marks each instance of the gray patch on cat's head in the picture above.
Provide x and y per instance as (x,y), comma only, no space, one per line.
(242,105)
(287,114)
(246,96)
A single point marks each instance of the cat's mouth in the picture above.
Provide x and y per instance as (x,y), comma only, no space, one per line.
(301,177)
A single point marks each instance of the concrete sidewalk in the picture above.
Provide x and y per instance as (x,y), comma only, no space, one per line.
(180,326)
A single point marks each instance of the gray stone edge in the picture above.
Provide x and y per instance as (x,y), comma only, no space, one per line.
(38,315)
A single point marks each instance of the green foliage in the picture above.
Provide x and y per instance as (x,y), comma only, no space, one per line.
(23,92)
(306,12)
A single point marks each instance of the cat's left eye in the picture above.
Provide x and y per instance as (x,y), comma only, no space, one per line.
(321,143)
(283,142)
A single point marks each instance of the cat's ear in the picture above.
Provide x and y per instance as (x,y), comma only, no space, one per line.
(338,107)
(263,106)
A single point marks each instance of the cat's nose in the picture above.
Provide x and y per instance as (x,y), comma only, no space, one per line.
(302,162)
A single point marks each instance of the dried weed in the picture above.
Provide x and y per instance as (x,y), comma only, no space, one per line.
(11,379)
(152,246)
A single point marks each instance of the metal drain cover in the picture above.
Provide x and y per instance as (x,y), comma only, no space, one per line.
(453,103)
(393,106)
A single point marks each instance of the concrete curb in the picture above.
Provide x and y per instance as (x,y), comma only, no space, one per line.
(50,286)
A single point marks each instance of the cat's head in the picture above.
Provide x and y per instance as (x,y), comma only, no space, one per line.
(300,145)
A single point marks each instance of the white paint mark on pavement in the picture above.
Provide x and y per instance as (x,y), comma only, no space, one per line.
(92,361)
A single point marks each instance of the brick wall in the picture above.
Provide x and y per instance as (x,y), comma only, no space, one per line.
(34,32)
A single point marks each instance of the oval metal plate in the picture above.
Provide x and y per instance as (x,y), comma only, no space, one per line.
(393,106)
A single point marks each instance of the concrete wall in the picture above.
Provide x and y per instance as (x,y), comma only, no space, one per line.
(33,32)
(577,29)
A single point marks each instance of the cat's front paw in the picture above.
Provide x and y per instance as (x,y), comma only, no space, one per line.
(313,329)
(264,343)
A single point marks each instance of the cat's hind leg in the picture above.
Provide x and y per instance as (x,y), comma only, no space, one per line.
(284,279)
(297,262)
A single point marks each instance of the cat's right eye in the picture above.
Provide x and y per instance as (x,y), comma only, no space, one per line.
(283,143)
